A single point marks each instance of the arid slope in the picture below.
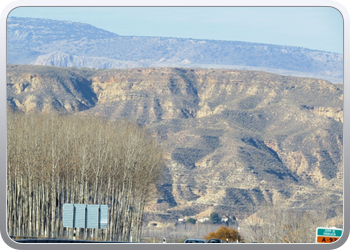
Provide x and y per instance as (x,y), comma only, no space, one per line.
(233,140)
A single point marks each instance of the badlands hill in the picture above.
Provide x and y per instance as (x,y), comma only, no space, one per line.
(74,44)
(234,141)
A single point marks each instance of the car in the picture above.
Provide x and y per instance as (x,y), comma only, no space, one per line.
(215,241)
(195,241)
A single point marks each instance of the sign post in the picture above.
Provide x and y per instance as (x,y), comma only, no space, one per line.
(327,235)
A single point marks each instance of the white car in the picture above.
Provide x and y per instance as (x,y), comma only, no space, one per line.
(195,241)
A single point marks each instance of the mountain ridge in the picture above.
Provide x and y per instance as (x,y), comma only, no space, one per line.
(34,44)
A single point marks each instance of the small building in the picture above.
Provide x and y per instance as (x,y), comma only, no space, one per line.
(203,219)
(224,219)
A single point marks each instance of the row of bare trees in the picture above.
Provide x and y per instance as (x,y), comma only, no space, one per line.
(55,159)
(179,232)
(267,225)
(284,225)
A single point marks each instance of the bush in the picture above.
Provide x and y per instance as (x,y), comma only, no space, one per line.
(192,221)
(224,233)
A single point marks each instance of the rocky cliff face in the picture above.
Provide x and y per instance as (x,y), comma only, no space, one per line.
(233,140)
(45,89)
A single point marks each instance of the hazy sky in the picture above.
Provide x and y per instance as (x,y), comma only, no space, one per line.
(319,28)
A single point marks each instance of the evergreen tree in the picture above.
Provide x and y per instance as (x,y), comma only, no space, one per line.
(215,218)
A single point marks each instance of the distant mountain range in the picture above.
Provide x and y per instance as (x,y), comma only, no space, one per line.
(74,44)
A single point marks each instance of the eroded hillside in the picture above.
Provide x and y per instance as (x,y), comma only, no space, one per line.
(234,140)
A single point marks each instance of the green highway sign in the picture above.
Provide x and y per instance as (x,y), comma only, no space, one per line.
(334,232)
(327,235)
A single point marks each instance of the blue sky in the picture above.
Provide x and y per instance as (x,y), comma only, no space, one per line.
(319,28)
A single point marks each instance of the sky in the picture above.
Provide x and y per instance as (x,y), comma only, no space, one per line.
(319,28)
